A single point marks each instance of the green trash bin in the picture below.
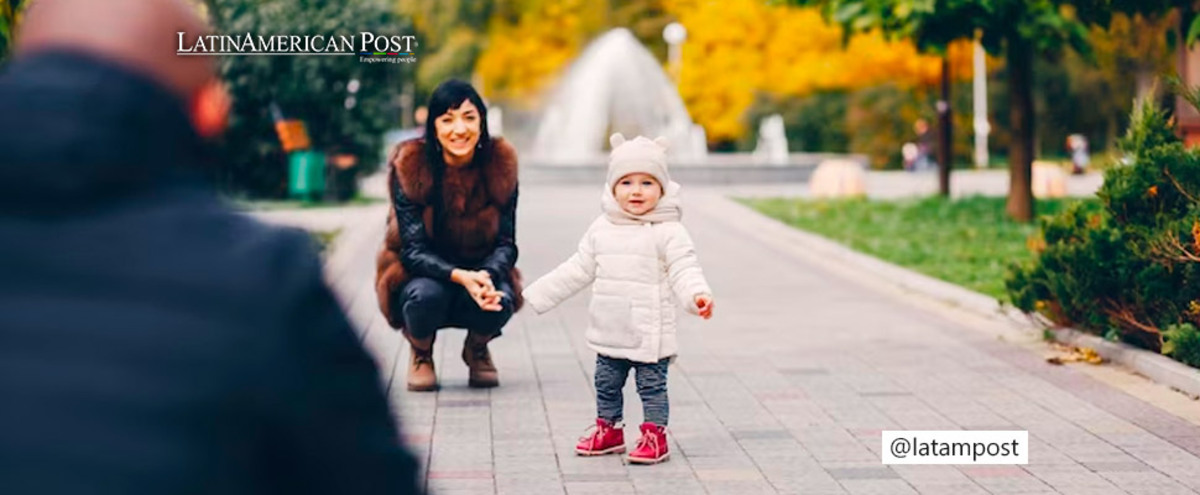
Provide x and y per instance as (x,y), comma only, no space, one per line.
(306,175)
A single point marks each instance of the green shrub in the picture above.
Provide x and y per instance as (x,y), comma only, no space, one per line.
(313,89)
(1183,344)
(1129,270)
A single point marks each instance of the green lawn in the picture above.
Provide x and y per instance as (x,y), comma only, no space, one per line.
(969,241)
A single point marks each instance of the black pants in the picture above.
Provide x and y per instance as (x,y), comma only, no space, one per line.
(429,304)
(611,374)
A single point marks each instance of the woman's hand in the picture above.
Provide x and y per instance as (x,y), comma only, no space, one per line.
(479,285)
(491,298)
(705,303)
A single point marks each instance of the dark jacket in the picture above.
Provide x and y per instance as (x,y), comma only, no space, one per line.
(460,217)
(152,341)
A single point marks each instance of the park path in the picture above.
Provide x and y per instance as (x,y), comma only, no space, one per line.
(785,390)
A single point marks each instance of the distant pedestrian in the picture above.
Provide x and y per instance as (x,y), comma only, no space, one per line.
(1077,146)
(924,157)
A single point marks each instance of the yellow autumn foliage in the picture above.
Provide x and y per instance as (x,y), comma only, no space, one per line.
(521,59)
(722,62)
(735,50)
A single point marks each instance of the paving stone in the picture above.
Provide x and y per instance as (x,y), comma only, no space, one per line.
(761,434)
(1104,467)
(804,371)
(598,488)
(862,473)
(725,487)
(776,394)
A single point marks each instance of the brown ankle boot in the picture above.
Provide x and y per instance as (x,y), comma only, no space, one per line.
(421,375)
(479,361)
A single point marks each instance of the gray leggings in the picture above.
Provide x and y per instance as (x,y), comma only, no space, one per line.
(611,374)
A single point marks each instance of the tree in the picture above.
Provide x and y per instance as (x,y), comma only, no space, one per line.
(724,61)
(864,16)
(453,34)
(10,15)
(1019,29)
(1138,44)
(1092,97)
(531,42)
(311,88)
(740,50)
(646,19)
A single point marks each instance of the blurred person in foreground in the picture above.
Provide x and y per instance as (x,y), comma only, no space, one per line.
(151,340)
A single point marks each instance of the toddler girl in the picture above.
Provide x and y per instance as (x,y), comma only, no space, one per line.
(639,260)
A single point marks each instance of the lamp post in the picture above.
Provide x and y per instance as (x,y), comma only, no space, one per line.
(675,34)
(981,108)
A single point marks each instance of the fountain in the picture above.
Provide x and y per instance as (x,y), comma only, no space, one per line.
(615,85)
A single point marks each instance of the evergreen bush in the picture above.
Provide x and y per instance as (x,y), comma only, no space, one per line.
(1130,270)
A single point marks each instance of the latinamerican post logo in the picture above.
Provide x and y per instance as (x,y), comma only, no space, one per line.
(368,47)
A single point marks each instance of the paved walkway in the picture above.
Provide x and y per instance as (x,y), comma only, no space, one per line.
(785,390)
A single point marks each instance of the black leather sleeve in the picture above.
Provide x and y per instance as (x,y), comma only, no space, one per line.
(417,256)
(504,256)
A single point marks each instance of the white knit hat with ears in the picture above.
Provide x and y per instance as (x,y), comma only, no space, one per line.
(639,154)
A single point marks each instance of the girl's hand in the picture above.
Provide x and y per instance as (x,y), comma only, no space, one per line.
(705,303)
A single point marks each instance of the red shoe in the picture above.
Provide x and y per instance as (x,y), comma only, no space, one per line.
(652,447)
(606,438)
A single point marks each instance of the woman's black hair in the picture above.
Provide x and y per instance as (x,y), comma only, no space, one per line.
(451,95)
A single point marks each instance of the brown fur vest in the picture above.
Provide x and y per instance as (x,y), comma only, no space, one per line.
(471,201)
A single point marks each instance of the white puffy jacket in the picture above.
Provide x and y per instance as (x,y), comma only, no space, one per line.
(637,270)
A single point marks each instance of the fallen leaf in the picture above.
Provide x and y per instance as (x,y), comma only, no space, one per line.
(1090,356)
(1070,354)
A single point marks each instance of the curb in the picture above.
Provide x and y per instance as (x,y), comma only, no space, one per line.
(1156,367)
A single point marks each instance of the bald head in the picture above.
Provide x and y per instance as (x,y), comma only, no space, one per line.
(138,34)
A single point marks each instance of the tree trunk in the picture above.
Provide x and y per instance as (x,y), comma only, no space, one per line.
(1019,58)
(945,132)
(1146,82)
(1110,133)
